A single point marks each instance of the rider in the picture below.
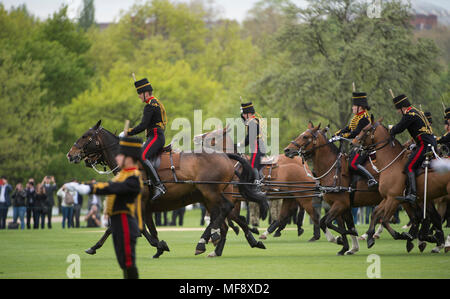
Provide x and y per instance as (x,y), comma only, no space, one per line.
(360,119)
(420,130)
(154,121)
(445,139)
(253,135)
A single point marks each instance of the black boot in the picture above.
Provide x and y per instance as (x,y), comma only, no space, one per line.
(411,195)
(131,273)
(159,188)
(371,182)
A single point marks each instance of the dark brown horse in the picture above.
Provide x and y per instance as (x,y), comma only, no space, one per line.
(99,146)
(284,170)
(331,168)
(391,157)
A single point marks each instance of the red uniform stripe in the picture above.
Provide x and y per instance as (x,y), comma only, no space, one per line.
(354,161)
(254,155)
(155,136)
(422,145)
(126,241)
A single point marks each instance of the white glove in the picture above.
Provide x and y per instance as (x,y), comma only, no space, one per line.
(82,189)
(335,138)
(122,134)
(105,220)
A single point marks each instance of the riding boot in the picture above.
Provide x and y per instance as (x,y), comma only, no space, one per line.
(159,189)
(371,182)
(411,195)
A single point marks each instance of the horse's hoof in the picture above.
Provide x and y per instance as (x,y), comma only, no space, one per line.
(313,239)
(277,234)
(341,253)
(260,245)
(376,237)
(212,254)
(339,241)
(362,238)
(236,230)
(447,249)
(201,247)
(370,243)
(91,251)
(409,246)
(163,246)
(422,246)
(351,252)
(159,252)
(300,232)
(263,237)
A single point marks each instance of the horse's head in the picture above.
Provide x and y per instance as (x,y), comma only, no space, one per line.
(371,135)
(87,146)
(214,138)
(306,143)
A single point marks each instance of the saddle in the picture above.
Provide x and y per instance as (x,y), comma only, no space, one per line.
(269,163)
(166,159)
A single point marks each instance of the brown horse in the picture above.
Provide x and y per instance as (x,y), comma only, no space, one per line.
(331,169)
(284,170)
(391,158)
(98,146)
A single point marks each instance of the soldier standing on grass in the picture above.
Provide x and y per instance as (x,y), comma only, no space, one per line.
(123,204)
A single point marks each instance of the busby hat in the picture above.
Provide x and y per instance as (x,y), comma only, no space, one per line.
(447,113)
(428,116)
(143,86)
(131,147)
(247,108)
(401,101)
(360,99)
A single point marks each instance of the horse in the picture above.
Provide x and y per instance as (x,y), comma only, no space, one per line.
(391,157)
(284,170)
(99,146)
(331,167)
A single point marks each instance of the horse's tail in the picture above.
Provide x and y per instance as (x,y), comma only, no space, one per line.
(250,192)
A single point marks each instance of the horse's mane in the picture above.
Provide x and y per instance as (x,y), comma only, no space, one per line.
(395,139)
(110,133)
(334,149)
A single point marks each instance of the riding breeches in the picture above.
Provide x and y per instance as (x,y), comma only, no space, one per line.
(418,155)
(355,159)
(154,143)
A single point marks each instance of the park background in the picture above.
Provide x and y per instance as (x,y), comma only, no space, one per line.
(60,75)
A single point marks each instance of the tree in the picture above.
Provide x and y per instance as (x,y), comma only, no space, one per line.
(324,48)
(26,130)
(87,15)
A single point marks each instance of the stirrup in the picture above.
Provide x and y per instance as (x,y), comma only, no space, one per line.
(372,183)
(159,191)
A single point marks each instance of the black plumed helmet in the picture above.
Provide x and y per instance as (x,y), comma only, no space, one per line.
(131,147)
(143,86)
(401,101)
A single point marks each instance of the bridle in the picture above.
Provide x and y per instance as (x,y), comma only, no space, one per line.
(301,149)
(92,151)
(370,132)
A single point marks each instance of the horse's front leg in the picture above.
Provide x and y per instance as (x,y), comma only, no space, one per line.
(99,244)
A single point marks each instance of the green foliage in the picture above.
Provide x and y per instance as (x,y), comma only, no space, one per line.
(60,76)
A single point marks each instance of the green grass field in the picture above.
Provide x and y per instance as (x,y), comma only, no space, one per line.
(43,254)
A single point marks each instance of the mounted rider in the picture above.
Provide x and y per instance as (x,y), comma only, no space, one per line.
(420,130)
(361,118)
(154,122)
(444,140)
(253,135)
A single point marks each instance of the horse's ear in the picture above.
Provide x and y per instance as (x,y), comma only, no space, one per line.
(372,118)
(227,128)
(98,124)
(318,127)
